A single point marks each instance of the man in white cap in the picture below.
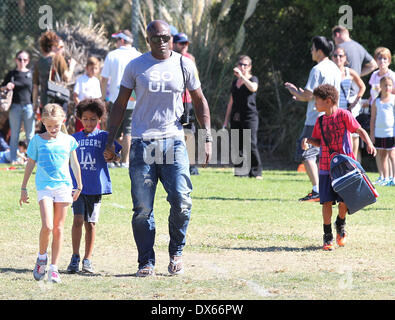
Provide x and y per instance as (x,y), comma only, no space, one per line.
(113,68)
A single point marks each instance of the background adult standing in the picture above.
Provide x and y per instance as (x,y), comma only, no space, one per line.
(112,72)
(324,72)
(49,42)
(243,113)
(158,149)
(20,80)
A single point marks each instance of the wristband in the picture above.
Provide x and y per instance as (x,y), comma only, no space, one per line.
(23,189)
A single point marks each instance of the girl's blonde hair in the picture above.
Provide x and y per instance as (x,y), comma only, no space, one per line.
(54,111)
(382,51)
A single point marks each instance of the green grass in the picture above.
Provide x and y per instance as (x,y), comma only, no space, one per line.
(247,239)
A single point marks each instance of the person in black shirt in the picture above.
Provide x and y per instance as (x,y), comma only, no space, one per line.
(242,111)
(20,81)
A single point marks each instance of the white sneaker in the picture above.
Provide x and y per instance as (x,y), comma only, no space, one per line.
(53,276)
(111,165)
(124,165)
(379,180)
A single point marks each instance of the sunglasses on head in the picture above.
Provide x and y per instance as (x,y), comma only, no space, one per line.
(243,64)
(338,55)
(158,39)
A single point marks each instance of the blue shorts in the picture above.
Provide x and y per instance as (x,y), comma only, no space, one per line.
(89,206)
(326,191)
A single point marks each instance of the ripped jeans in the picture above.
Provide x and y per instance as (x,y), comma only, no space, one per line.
(166,160)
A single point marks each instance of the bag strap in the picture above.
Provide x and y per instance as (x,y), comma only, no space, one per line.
(185,84)
(323,136)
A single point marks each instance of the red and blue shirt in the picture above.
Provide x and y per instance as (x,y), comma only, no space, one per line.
(337,131)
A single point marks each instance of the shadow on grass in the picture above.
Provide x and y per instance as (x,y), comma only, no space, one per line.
(133,275)
(14,270)
(274,249)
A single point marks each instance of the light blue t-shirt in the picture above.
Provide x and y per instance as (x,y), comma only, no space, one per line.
(325,72)
(52,159)
(159,86)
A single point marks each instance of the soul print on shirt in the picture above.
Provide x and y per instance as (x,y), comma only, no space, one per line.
(158,79)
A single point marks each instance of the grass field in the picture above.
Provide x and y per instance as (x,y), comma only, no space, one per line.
(247,239)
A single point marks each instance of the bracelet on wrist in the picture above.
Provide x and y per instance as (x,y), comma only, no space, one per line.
(23,189)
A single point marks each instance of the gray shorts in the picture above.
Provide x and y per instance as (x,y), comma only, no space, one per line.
(309,154)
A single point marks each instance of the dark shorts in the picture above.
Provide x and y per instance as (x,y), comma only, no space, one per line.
(384,143)
(309,154)
(326,191)
(89,206)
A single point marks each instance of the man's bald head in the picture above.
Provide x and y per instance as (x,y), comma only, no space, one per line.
(155,25)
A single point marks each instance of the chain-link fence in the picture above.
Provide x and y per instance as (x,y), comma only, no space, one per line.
(19,29)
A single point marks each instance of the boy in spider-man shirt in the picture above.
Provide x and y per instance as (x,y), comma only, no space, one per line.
(337,124)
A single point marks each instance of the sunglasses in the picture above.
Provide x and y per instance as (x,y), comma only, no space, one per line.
(22,60)
(243,64)
(338,55)
(159,39)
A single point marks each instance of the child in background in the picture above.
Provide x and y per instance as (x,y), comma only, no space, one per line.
(382,129)
(382,56)
(52,151)
(87,86)
(337,124)
(95,178)
(5,156)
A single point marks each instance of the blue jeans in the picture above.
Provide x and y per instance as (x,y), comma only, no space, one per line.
(166,160)
(19,113)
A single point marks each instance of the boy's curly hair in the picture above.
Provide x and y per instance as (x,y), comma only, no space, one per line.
(94,105)
(47,40)
(326,91)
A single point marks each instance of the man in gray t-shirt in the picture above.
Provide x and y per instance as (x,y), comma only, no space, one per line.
(358,58)
(158,150)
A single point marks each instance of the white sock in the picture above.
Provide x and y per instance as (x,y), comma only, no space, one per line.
(315,188)
(53,267)
(42,256)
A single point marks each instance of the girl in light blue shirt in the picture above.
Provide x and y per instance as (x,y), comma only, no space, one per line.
(52,151)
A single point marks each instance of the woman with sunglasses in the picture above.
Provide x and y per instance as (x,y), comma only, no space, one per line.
(20,81)
(243,114)
(345,100)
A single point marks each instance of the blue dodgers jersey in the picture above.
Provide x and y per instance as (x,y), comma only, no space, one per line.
(94,169)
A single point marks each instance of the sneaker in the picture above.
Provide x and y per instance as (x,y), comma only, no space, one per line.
(40,269)
(87,266)
(175,266)
(388,183)
(124,165)
(341,235)
(328,242)
(193,170)
(111,165)
(379,180)
(53,276)
(311,197)
(74,265)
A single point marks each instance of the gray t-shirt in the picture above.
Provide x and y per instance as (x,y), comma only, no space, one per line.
(159,86)
(325,72)
(357,57)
